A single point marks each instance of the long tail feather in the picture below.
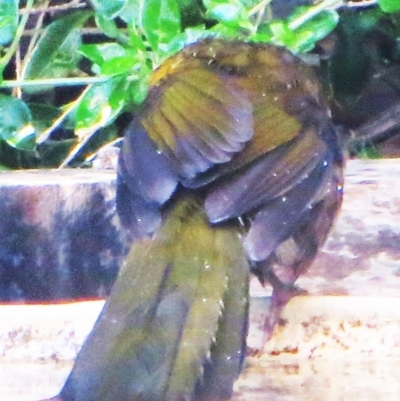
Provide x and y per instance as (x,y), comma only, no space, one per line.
(156,330)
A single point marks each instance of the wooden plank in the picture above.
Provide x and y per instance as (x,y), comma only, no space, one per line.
(60,238)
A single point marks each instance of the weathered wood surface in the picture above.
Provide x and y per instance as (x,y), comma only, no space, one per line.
(59,235)
(332,347)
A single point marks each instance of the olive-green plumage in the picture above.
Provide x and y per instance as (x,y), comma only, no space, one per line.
(231,165)
(161,320)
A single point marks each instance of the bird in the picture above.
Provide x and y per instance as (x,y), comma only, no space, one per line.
(231,166)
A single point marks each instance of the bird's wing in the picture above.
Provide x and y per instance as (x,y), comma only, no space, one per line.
(197,119)
(269,177)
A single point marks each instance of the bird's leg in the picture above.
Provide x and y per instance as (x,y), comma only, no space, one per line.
(282,293)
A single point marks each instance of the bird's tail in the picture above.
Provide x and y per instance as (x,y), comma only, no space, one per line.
(174,325)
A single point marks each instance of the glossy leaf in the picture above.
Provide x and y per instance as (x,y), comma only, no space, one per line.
(56,54)
(276,32)
(43,116)
(303,38)
(107,26)
(8,20)
(313,30)
(389,6)
(230,13)
(130,13)
(100,106)
(110,58)
(16,123)
(138,91)
(189,36)
(160,21)
(109,8)
(136,41)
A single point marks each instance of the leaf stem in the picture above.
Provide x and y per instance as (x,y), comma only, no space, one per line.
(259,7)
(33,40)
(18,34)
(313,11)
(324,5)
(75,81)
(53,9)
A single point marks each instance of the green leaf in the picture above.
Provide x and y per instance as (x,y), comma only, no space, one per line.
(56,54)
(226,12)
(231,13)
(160,20)
(43,116)
(136,41)
(15,123)
(303,38)
(100,105)
(130,13)
(109,9)
(312,31)
(110,58)
(279,33)
(8,20)
(109,27)
(389,6)
(138,91)
(190,35)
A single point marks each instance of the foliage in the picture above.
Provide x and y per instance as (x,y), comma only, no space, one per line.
(71,70)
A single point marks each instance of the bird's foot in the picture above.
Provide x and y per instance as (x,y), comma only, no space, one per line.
(281,295)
